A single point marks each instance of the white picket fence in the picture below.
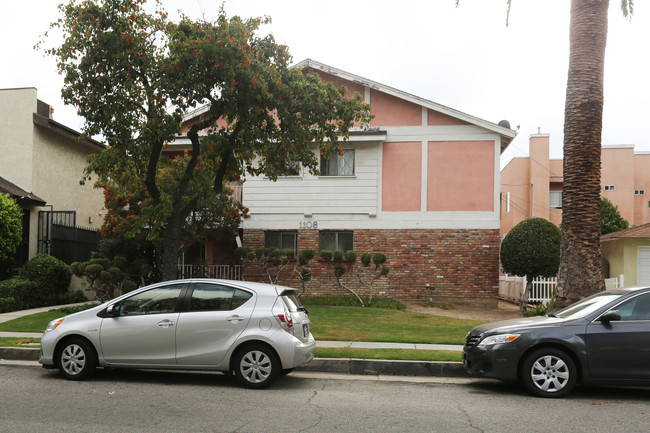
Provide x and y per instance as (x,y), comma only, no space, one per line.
(512,287)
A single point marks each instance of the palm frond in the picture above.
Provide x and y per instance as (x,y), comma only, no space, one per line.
(627,7)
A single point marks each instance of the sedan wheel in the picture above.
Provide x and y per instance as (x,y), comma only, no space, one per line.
(76,360)
(549,373)
(256,366)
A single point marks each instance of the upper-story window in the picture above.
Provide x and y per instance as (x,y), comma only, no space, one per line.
(610,187)
(339,164)
(639,192)
(555,199)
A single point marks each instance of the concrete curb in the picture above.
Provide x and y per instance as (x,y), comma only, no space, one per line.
(323,365)
(386,367)
(19,354)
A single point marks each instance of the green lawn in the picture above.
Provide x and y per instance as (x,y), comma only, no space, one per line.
(20,342)
(377,324)
(33,323)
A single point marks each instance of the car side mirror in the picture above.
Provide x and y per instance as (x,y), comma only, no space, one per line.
(610,316)
(113,310)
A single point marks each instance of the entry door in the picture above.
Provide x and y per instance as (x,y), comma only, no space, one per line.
(643,269)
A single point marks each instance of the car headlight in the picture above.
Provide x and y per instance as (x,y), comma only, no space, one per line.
(53,324)
(498,339)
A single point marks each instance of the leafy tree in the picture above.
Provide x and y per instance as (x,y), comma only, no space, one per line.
(11,227)
(610,218)
(133,75)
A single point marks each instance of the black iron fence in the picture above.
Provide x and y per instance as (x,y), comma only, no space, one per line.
(60,237)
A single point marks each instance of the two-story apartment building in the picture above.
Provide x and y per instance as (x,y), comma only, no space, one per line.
(41,165)
(532,186)
(420,185)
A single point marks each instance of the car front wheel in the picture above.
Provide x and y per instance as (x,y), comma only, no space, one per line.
(76,359)
(549,372)
(256,366)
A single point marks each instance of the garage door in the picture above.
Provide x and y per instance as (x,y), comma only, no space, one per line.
(644,266)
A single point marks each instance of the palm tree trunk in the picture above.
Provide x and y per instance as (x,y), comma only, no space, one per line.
(580,271)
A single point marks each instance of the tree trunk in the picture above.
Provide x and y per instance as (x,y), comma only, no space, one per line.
(580,272)
(171,246)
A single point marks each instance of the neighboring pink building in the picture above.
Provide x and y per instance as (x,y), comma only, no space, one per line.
(532,186)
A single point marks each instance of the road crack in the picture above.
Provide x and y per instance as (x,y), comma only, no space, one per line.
(469,418)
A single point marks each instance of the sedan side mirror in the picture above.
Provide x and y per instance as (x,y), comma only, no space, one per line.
(610,316)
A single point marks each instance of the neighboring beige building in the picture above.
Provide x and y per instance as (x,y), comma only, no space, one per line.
(41,166)
(532,186)
(627,253)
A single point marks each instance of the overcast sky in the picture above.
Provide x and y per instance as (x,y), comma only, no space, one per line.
(464,58)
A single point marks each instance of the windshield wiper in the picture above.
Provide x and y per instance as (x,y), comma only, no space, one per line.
(551,315)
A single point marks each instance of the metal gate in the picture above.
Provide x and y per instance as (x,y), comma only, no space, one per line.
(60,237)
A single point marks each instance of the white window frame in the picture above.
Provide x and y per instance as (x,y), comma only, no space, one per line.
(554,203)
(610,187)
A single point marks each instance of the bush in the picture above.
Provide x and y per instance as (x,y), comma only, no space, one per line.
(7,305)
(532,248)
(26,294)
(48,272)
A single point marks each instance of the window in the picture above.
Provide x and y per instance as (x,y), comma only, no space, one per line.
(332,241)
(289,169)
(555,199)
(637,308)
(338,164)
(639,192)
(214,297)
(610,187)
(281,240)
(155,301)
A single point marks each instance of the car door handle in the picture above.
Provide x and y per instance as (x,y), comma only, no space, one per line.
(166,323)
(235,319)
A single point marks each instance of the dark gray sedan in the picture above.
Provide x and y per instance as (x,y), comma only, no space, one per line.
(603,339)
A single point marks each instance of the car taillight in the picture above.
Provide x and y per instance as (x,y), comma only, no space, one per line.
(286,320)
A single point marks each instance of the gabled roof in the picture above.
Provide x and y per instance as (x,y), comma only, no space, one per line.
(506,133)
(636,232)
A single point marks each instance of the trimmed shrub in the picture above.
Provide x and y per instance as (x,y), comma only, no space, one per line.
(48,272)
(532,248)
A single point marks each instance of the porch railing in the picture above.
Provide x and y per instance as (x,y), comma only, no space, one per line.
(225,272)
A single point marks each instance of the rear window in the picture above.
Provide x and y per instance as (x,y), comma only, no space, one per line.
(292,303)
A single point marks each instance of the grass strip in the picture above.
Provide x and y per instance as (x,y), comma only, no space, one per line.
(20,342)
(391,354)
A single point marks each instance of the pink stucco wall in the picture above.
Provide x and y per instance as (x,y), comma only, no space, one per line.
(402,176)
(391,111)
(435,118)
(461,176)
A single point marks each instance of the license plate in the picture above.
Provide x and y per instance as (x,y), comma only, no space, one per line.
(305,330)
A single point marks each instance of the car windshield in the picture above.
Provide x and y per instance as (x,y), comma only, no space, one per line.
(587,305)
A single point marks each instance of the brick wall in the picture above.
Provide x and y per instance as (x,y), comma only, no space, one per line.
(461,266)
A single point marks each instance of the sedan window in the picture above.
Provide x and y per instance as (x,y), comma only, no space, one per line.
(214,297)
(586,306)
(637,308)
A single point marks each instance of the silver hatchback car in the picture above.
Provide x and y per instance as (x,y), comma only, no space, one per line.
(258,331)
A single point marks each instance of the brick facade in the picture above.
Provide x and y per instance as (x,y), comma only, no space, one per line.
(461,266)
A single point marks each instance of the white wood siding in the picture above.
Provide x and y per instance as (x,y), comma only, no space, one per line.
(309,194)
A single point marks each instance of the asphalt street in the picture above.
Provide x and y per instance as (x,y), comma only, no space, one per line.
(34,399)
